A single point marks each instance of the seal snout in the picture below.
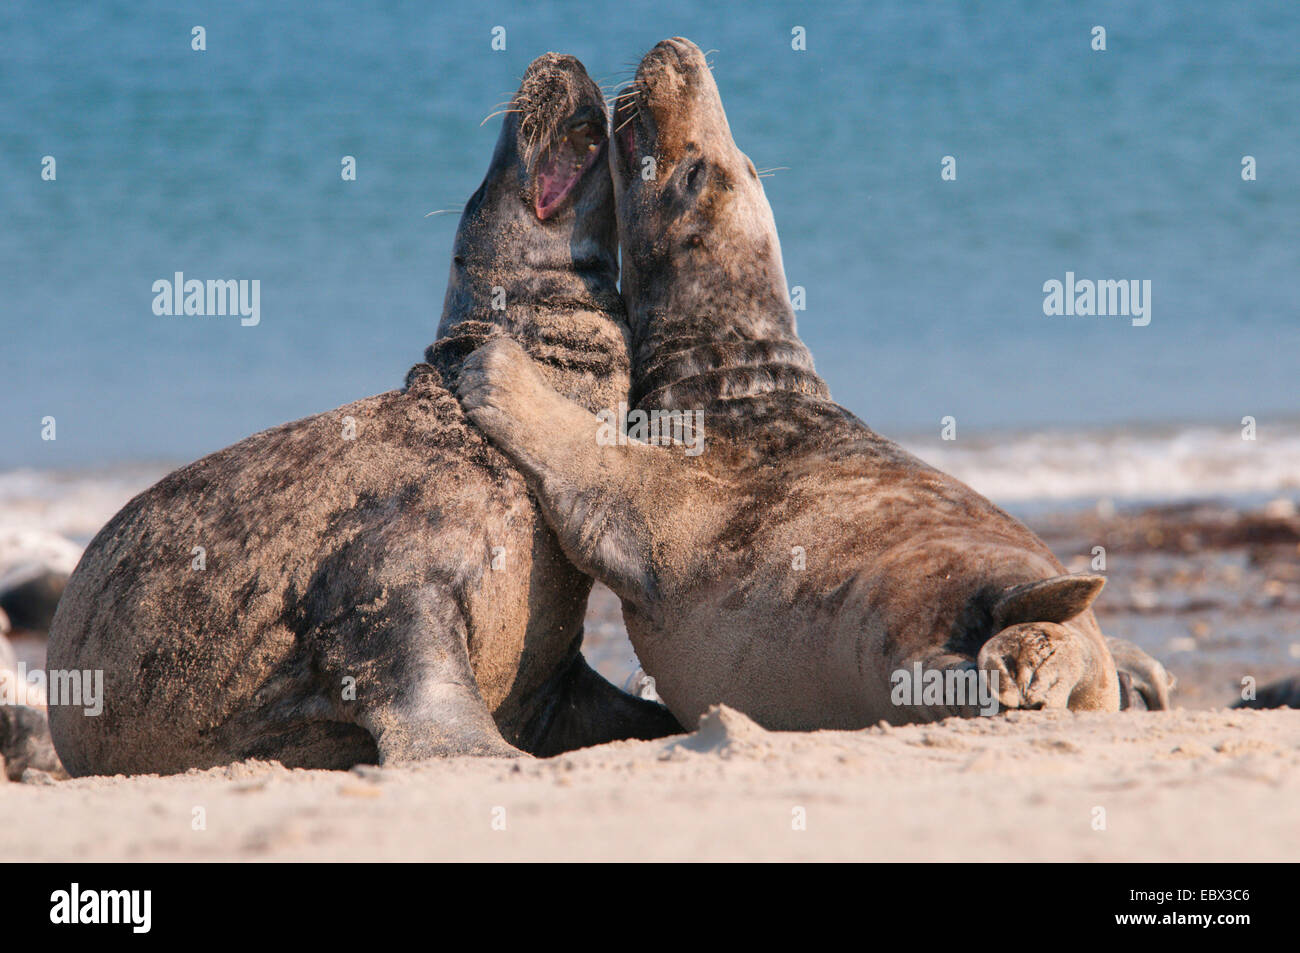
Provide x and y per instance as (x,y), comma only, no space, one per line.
(670,107)
(677,53)
(563,128)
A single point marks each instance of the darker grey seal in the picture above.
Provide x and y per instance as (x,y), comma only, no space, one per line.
(1283,693)
(377,584)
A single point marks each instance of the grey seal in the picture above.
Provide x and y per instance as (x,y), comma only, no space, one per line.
(801,561)
(1283,693)
(374,583)
(31,599)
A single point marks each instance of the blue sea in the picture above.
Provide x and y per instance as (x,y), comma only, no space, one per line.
(924,295)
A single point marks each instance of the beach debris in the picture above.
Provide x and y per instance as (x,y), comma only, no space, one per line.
(25,742)
(30,594)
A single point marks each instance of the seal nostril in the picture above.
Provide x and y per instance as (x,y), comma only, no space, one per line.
(693,176)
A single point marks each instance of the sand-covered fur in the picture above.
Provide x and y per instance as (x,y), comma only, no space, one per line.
(374,583)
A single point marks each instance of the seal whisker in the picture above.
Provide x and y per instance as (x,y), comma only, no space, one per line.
(633,113)
(534,139)
(498,113)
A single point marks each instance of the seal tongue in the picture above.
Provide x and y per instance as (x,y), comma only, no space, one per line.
(564,164)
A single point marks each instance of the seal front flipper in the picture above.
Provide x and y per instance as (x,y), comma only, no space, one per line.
(417,694)
(1040,656)
(583,709)
(617,510)
(436,720)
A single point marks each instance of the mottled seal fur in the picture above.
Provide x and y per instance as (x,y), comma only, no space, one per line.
(799,562)
(377,584)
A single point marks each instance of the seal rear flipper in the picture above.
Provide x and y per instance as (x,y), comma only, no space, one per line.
(1050,665)
(1058,599)
(1042,654)
(582,709)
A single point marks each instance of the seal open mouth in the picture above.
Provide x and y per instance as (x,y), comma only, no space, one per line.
(566,161)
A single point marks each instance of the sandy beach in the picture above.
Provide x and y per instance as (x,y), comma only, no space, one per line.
(1051,255)
(1212,589)
(1189,785)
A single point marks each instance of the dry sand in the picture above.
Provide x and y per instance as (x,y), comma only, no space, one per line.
(1211,590)
(1187,785)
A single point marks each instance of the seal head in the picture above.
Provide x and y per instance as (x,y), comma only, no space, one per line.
(536,253)
(702,270)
